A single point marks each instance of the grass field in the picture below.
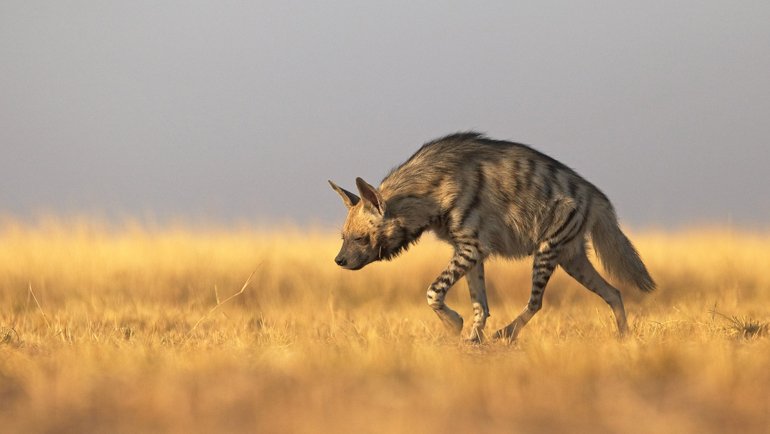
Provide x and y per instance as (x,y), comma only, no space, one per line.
(111,329)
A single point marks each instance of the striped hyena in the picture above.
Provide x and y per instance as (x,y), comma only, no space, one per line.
(489,197)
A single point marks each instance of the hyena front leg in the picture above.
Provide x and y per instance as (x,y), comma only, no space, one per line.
(478,290)
(465,258)
(544,264)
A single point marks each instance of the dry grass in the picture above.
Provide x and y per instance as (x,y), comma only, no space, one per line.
(114,346)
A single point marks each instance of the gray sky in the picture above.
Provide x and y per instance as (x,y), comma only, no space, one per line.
(223,110)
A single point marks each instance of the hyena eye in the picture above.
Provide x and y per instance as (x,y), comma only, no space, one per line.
(362,240)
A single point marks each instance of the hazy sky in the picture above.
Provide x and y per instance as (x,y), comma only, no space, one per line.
(227,110)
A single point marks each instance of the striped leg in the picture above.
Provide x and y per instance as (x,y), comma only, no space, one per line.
(478,290)
(544,264)
(465,258)
(581,269)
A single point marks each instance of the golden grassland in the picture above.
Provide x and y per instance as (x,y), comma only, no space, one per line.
(110,329)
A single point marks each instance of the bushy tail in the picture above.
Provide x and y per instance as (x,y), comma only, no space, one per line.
(617,254)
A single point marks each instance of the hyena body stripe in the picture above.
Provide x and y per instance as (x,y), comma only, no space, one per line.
(488,197)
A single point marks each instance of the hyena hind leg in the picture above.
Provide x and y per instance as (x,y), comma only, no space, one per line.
(581,269)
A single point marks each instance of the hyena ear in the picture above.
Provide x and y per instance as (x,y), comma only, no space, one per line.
(349,198)
(371,196)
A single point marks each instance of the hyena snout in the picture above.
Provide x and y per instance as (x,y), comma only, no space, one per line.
(352,260)
(340,260)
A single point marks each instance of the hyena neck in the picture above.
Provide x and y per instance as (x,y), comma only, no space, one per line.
(394,237)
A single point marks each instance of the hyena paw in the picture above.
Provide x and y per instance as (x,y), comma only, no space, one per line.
(476,338)
(451,319)
(456,325)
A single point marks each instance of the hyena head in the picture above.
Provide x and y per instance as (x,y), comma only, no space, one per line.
(359,233)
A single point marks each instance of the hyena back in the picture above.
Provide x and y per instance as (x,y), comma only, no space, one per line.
(488,197)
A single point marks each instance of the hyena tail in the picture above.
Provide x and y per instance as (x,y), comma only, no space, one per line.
(617,254)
